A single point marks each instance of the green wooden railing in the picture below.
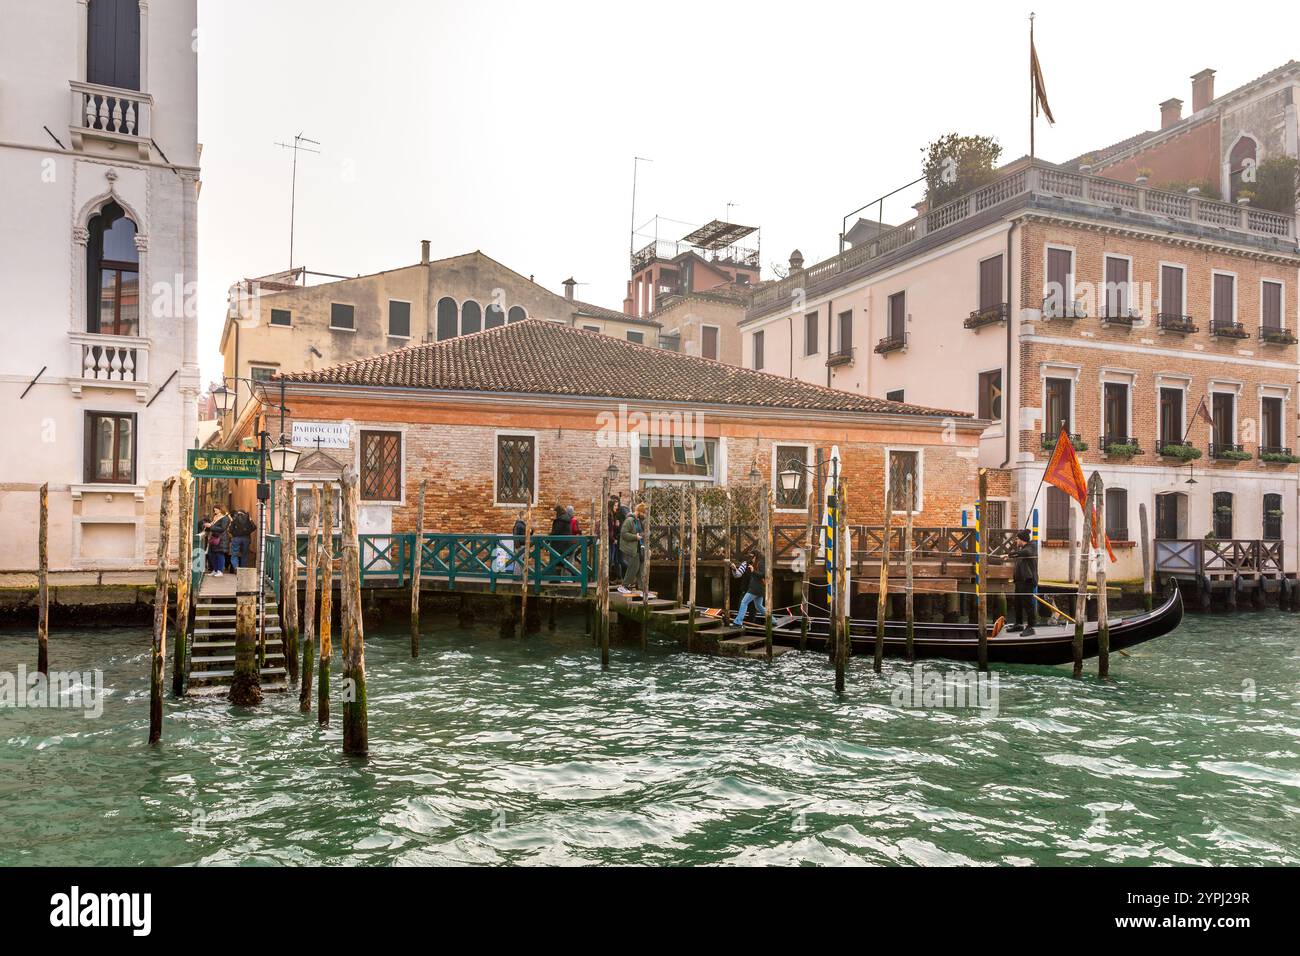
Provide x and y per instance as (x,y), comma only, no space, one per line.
(389,559)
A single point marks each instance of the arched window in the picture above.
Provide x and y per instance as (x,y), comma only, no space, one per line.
(1243,157)
(447,313)
(113,274)
(516,314)
(471,317)
(1272,517)
(1223,515)
(495,316)
(113,43)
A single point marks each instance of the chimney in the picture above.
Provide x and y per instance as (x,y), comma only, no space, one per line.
(424,252)
(796,261)
(1171,112)
(569,283)
(1202,89)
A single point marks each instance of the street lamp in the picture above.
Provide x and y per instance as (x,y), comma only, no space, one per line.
(612,471)
(284,458)
(755,476)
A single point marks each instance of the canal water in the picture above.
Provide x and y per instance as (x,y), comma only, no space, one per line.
(490,751)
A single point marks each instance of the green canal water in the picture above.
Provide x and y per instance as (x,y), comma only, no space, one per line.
(488,751)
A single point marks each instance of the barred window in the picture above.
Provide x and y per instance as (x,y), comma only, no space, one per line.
(515,469)
(792,458)
(381,466)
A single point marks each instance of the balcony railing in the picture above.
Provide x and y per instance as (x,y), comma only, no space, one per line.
(1120,446)
(1057,312)
(1228,330)
(1173,322)
(1039,182)
(1273,335)
(110,361)
(1126,318)
(1049,440)
(840,356)
(1277,454)
(1227,451)
(109,113)
(891,343)
(989,316)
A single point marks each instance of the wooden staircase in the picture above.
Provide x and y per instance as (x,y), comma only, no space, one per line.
(212,653)
(731,641)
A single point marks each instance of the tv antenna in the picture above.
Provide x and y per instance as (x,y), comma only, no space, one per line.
(297,147)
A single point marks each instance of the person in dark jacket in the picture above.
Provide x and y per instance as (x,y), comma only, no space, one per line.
(756,586)
(1026,582)
(217,529)
(615,515)
(519,531)
(241,539)
(561,523)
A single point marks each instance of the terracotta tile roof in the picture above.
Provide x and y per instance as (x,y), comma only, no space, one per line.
(537,357)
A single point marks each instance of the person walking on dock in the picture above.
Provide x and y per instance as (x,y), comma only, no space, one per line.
(241,539)
(573,521)
(561,523)
(615,515)
(1026,582)
(631,542)
(753,567)
(519,531)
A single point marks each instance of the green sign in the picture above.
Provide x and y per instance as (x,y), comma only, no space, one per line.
(212,463)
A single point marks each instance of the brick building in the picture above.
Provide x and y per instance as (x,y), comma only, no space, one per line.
(1128,306)
(493,420)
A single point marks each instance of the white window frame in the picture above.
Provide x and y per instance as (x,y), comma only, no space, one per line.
(275,325)
(389,319)
(714,479)
(343,328)
(1073,274)
(400,430)
(537,460)
(1162,306)
(1128,286)
(1236,293)
(920,475)
(809,478)
(1226,388)
(593,328)
(1053,370)
(1274,391)
(1117,376)
(717,341)
(1282,303)
(1172,380)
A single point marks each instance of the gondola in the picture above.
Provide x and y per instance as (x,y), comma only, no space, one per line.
(1049,644)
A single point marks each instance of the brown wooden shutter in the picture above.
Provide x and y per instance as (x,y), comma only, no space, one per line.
(1272,306)
(1171,290)
(1059,266)
(1223,286)
(990,283)
(710,342)
(1116,286)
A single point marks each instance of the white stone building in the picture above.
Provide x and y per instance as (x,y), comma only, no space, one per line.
(99,378)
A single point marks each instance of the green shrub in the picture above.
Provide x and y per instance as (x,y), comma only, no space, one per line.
(1181,452)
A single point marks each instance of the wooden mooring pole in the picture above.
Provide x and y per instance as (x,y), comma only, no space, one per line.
(356,733)
(1081,596)
(1145,544)
(882,599)
(43,585)
(602,580)
(767,506)
(910,598)
(246,685)
(525,566)
(982,575)
(417,559)
(645,578)
(184,549)
(1103,615)
(693,585)
(309,602)
(839,624)
(326,607)
(289,581)
(681,542)
(159,614)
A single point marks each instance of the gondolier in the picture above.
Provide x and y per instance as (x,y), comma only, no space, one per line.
(1025,576)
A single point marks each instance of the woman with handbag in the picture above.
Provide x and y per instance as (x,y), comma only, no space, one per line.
(218,535)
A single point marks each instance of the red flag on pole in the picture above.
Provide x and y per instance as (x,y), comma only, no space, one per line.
(1065,472)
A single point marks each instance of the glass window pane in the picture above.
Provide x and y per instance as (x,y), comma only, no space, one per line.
(125,441)
(104,449)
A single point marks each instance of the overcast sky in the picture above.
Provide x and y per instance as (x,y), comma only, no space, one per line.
(511,127)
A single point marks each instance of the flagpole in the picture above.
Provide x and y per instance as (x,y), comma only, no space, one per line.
(1031,86)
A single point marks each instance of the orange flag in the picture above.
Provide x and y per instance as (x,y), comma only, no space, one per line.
(1065,472)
